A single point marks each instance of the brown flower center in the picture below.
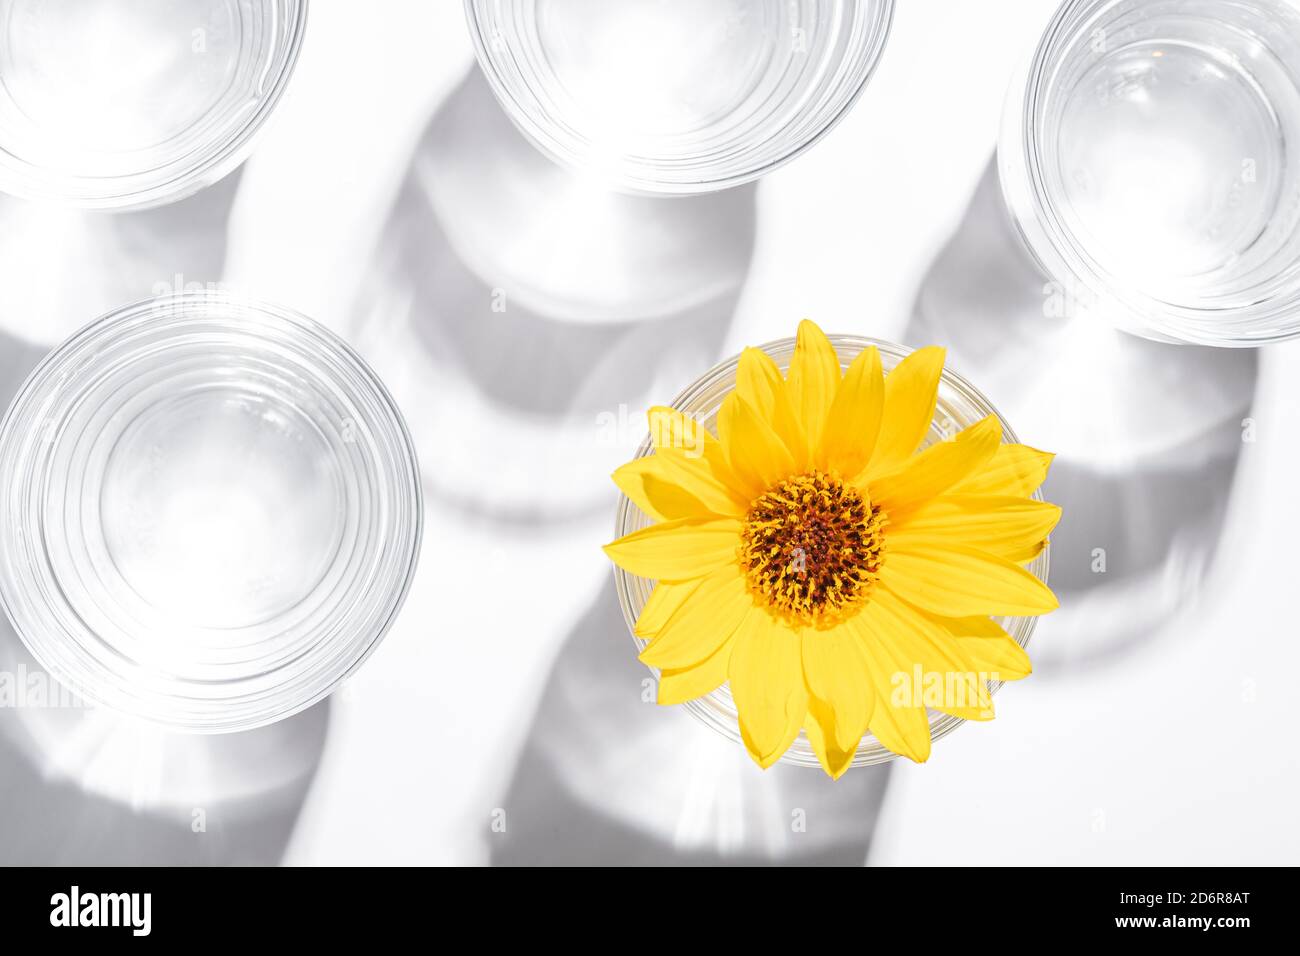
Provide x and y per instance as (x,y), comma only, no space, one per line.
(811,549)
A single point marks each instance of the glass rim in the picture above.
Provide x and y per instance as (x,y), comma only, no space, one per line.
(1041,224)
(24,589)
(178,178)
(567,150)
(715,711)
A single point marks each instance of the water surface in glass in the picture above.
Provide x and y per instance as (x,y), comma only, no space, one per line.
(212,512)
(220,506)
(678,95)
(117,103)
(1159,144)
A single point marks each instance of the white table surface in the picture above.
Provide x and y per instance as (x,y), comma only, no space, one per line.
(1177,751)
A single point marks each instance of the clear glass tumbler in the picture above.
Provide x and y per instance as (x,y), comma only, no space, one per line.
(678,96)
(1148,157)
(959,406)
(134,103)
(211,512)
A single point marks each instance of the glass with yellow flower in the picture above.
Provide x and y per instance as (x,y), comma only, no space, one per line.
(833,550)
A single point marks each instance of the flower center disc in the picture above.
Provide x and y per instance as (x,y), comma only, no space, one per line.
(811,549)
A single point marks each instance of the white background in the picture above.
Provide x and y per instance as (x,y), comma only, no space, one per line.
(1176,750)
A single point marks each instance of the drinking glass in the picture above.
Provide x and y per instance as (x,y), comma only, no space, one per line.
(1148,159)
(959,406)
(678,96)
(134,103)
(211,512)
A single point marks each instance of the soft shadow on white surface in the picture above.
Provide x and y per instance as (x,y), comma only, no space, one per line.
(89,787)
(609,777)
(1147,434)
(524,318)
(62,267)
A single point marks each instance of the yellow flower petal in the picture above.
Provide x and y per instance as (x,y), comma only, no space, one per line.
(759,383)
(854,421)
(904,729)
(678,685)
(1011,528)
(671,430)
(702,624)
(766,674)
(950,681)
(819,725)
(957,581)
(837,675)
(647,486)
(911,391)
(677,550)
(988,646)
(693,460)
(1000,657)
(662,604)
(695,477)
(937,469)
(813,379)
(974,626)
(758,458)
(1015,470)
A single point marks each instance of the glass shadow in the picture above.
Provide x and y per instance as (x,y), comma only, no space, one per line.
(62,267)
(608,777)
(524,318)
(1147,434)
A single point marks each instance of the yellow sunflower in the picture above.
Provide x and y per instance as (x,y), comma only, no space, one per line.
(813,557)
